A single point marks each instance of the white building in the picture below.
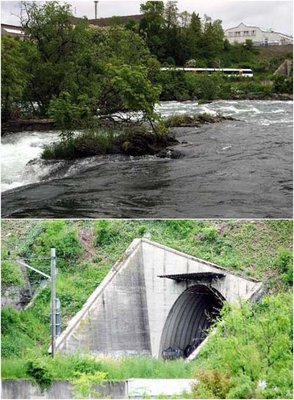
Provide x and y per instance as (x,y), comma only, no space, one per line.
(259,37)
(12,30)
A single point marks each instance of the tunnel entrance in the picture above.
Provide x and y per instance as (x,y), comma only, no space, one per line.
(188,320)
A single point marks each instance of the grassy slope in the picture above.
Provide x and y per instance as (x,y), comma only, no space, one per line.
(250,247)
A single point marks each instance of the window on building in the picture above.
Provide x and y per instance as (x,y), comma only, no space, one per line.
(246,33)
(237,33)
(253,33)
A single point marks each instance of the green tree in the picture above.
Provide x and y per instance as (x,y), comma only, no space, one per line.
(13,75)
(213,41)
(171,14)
(194,36)
(172,34)
(151,27)
(58,47)
(126,88)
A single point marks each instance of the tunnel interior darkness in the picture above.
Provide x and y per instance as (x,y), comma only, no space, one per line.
(189,318)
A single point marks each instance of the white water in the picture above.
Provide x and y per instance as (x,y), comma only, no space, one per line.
(20,148)
(17,150)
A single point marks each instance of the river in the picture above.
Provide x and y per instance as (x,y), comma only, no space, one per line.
(240,168)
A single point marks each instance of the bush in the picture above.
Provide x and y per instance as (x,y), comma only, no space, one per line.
(84,384)
(61,236)
(192,120)
(213,384)
(252,344)
(106,232)
(284,261)
(283,84)
(39,371)
(210,234)
(10,320)
(89,143)
(242,387)
(10,275)
(205,87)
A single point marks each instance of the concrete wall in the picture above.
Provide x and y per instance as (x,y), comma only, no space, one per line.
(23,389)
(131,388)
(126,314)
(115,320)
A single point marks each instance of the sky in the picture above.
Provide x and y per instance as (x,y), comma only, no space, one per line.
(266,14)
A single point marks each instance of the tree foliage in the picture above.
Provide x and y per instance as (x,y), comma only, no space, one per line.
(14,76)
(72,72)
(58,53)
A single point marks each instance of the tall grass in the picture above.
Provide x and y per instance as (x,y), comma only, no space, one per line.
(67,366)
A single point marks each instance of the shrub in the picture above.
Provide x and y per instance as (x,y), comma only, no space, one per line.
(61,236)
(253,344)
(89,143)
(39,371)
(242,387)
(283,84)
(106,232)
(10,319)
(284,261)
(213,384)
(210,234)
(84,384)
(10,275)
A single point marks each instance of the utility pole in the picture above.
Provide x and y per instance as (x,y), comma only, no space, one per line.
(53,301)
(96,4)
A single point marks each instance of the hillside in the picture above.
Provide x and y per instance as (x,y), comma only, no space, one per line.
(86,250)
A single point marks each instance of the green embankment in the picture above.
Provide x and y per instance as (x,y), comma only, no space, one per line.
(251,346)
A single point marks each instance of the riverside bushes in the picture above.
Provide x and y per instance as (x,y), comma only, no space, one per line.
(177,85)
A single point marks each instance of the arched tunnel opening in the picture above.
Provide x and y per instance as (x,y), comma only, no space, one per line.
(188,321)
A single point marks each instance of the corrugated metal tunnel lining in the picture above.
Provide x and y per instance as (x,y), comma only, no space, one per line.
(189,318)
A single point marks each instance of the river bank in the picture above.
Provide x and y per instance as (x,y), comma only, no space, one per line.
(46,124)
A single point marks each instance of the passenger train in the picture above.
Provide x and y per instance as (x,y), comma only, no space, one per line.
(246,72)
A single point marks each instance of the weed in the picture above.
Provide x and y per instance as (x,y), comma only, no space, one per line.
(38,370)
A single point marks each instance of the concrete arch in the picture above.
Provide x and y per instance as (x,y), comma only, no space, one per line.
(189,318)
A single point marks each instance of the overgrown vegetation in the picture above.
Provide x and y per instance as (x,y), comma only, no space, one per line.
(131,140)
(250,355)
(251,346)
(181,86)
(74,72)
(193,120)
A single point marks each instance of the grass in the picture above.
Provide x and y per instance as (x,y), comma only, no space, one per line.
(86,144)
(66,367)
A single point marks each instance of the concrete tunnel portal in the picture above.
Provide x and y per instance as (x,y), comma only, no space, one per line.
(188,321)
